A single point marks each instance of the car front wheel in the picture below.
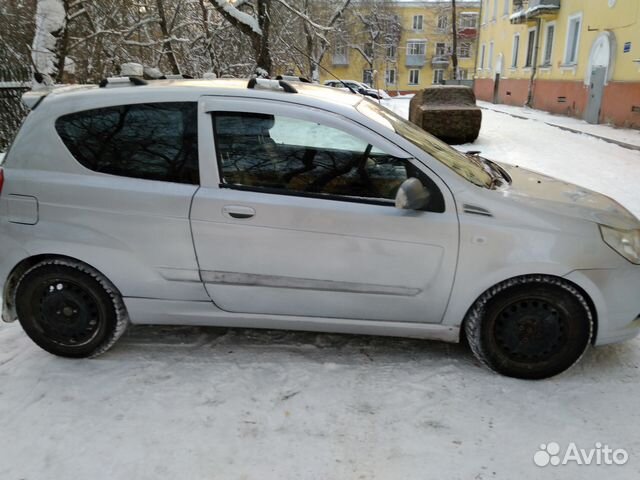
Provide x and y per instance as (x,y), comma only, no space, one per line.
(69,309)
(530,327)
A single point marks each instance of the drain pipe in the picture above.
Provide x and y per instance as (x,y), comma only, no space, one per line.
(534,66)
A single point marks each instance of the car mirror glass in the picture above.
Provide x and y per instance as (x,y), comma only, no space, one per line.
(412,195)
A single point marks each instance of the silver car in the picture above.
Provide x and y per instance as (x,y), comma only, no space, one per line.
(272,204)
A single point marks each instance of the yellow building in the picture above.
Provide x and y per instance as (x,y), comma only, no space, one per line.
(575,57)
(414,49)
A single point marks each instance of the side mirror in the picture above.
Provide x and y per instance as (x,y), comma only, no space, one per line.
(361,91)
(412,195)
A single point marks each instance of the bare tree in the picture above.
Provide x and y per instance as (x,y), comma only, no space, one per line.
(377,32)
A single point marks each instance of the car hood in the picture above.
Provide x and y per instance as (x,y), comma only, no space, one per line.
(557,196)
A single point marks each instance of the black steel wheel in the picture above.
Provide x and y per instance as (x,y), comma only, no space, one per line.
(69,309)
(530,327)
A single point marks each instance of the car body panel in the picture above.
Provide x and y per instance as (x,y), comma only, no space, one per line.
(296,255)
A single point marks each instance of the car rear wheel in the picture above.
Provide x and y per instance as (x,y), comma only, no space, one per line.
(530,327)
(69,309)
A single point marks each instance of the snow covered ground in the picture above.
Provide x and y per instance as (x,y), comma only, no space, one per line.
(197,403)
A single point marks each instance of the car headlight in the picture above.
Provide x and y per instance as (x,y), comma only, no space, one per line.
(625,242)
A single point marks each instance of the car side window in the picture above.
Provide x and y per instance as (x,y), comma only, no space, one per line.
(152,141)
(284,155)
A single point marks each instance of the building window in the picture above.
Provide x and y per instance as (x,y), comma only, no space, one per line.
(438,76)
(464,50)
(506,7)
(495,9)
(368,49)
(531,43)
(441,49)
(573,40)
(548,46)
(463,74)
(367,76)
(482,55)
(391,51)
(414,77)
(485,11)
(340,49)
(468,20)
(418,21)
(515,51)
(490,65)
(416,47)
(390,76)
(443,22)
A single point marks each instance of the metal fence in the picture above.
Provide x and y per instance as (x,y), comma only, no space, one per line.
(14,82)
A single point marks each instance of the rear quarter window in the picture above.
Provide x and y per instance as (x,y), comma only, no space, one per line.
(151,141)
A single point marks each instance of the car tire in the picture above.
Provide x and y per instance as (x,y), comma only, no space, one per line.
(70,309)
(530,327)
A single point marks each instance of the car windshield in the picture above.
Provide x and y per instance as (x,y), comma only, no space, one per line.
(469,167)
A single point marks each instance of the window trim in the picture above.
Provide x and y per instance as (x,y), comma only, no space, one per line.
(139,103)
(315,195)
(437,71)
(421,22)
(515,51)
(394,49)
(459,52)
(443,18)
(395,76)
(531,47)
(549,62)
(566,61)
(491,53)
(409,82)
(464,16)
(421,41)
(210,171)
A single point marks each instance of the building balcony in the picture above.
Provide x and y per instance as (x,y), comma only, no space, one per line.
(467,32)
(440,61)
(416,60)
(536,9)
(340,59)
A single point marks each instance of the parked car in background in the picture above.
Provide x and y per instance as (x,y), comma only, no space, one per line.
(272,204)
(358,87)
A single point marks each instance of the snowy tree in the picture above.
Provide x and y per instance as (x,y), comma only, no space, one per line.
(376,32)
(256,20)
(49,42)
(256,27)
(309,41)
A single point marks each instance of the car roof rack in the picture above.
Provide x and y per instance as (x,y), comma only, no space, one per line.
(293,78)
(176,76)
(136,81)
(266,84)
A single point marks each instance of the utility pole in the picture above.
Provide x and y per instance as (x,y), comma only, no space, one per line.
(454,28)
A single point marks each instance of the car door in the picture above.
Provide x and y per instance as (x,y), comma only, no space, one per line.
(296,216)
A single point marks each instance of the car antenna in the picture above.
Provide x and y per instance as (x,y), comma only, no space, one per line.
(322,67)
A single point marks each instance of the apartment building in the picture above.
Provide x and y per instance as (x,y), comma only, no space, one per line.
(404,46)
(575,57)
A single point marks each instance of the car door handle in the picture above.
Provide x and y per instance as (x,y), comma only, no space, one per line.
(238,211)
